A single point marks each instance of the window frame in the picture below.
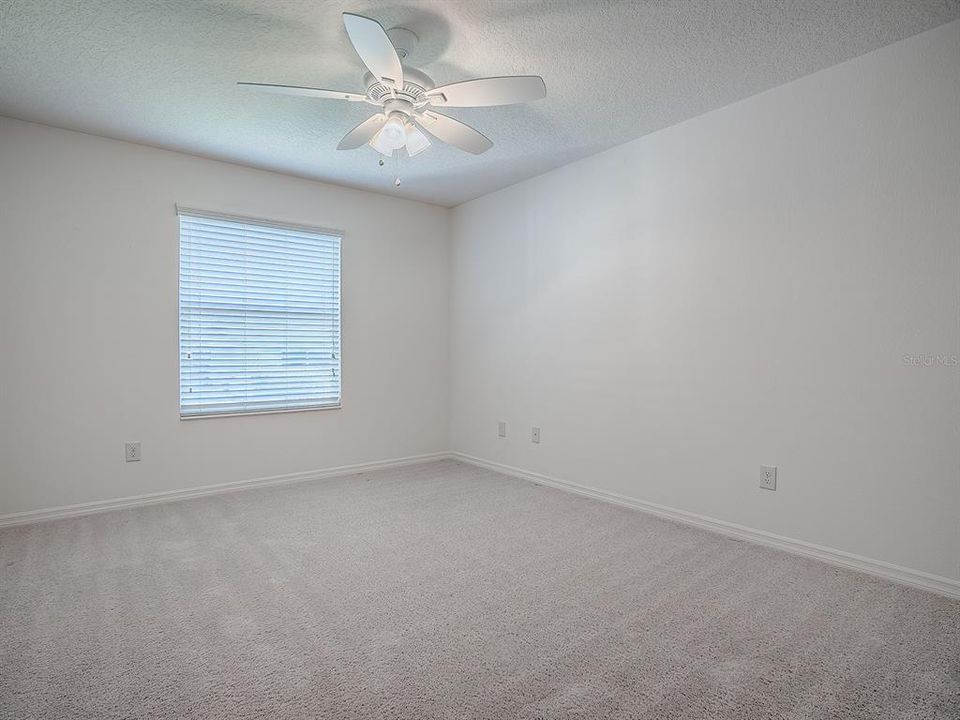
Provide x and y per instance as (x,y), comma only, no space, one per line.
(269,223)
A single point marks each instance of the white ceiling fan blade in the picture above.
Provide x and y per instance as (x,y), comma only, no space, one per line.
(453,132)
(485,92)
(362,133)
(417,142)
(375,49)
(303,91)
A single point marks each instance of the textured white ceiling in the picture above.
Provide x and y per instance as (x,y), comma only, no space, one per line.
(162,72)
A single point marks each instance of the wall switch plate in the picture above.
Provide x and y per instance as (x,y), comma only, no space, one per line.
(768,477)
(131,451)
(535,435)
(501,429)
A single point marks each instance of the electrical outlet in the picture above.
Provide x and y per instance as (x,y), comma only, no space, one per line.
(768,477)
(535,435)
(131,451)
(501,429)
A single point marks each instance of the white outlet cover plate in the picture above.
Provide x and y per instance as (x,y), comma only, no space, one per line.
(768,477)
(131,451)
(501,429)
(535,435)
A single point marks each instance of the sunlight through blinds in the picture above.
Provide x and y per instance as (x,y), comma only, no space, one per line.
(259,316)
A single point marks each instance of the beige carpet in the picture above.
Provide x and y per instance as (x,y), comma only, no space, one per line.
(446,591)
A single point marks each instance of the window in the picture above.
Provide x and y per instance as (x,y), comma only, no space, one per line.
(259,316)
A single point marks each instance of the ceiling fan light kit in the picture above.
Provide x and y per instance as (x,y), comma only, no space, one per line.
(407,97)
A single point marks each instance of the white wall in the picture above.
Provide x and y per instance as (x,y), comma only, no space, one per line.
(88,289)
(738,290)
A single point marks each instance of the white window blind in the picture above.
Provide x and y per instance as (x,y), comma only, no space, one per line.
(259,316)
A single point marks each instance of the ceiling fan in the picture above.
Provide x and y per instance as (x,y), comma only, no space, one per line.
(408,98)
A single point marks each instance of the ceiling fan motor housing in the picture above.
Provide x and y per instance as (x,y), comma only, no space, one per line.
(415,84)
(400,105)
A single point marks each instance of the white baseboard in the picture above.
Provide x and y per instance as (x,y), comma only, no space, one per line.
(888,571)
(90,508)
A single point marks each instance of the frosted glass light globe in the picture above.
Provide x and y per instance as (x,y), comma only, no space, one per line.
(393,136)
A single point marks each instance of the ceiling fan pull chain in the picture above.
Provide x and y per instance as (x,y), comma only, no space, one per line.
(396,154)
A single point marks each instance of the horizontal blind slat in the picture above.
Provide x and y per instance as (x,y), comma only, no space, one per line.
(259,317)
(252,229)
